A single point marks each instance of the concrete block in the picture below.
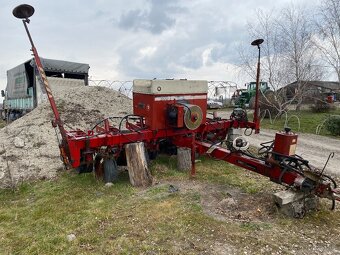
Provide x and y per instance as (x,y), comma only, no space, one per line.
(295,204)
(287,196)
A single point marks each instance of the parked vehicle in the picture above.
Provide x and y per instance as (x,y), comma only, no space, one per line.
(24,90)
(212,104)
(247,97)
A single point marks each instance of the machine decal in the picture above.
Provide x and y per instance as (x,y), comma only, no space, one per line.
(178,98)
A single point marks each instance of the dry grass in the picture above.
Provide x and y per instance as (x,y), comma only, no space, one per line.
(2,123)
(36,218)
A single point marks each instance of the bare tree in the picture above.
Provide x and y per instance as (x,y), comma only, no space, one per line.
(265,28)
(299,52)
(328,26)
(271,65)
(289,54)
(296,31)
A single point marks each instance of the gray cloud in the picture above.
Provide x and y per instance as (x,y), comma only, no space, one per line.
(198,31)
(156,18)
(126,39)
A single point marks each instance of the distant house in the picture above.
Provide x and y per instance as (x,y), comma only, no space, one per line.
(310,90)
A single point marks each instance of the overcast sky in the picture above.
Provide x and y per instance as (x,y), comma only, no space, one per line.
(128,39)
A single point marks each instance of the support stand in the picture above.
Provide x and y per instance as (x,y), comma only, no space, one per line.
(139,173)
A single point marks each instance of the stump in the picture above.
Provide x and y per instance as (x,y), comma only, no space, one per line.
(137,165)
(184,159)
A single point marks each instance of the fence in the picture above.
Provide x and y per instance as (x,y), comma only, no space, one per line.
(217,90)
(124,87)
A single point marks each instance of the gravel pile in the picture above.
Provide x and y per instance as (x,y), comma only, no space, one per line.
(28,146)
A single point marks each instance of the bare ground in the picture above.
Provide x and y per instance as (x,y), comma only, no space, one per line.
(265,230)
(227,203)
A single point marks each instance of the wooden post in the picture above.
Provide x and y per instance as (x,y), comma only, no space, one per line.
(184,162)
(137,165)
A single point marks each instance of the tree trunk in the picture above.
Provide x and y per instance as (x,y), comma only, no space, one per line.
(137,165)
(184,159)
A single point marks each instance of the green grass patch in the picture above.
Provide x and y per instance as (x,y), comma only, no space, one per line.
(308,121)
(2,123)
(211,170)
(219,171)
(251,226)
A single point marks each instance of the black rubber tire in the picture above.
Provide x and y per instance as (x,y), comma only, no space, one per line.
(252,103)
(237,101)
(85,168)
(152,155)
(110,170)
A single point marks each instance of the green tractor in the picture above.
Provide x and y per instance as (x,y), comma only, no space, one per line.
(247,96)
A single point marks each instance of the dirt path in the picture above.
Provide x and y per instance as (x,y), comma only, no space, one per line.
(313,148)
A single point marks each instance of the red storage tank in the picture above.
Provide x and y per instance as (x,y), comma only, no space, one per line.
(152,98)
(330,99)
(285,142)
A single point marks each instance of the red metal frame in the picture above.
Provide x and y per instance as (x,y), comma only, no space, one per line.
(43,77)
(79,147)
(152,109)
(90,142)
(79,141)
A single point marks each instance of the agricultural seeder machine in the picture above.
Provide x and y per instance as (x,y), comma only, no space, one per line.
(173,113)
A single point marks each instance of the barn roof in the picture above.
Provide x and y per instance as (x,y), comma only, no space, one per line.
(331,85)
(54,65)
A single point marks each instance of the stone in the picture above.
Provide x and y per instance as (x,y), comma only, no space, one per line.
(295,204)
(2,174)
(287,196)
(227,203)
(71,237)
(18,142)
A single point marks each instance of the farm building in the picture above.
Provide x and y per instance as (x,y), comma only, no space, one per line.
(311,90)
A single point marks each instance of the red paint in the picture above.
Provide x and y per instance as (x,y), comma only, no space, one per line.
(154,107)
(285,143)
(154,126)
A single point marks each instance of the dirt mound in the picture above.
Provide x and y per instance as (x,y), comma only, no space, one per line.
(28,146)
(227,203)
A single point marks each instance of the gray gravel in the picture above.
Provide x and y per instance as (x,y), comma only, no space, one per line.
(314,148)
(28,146)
